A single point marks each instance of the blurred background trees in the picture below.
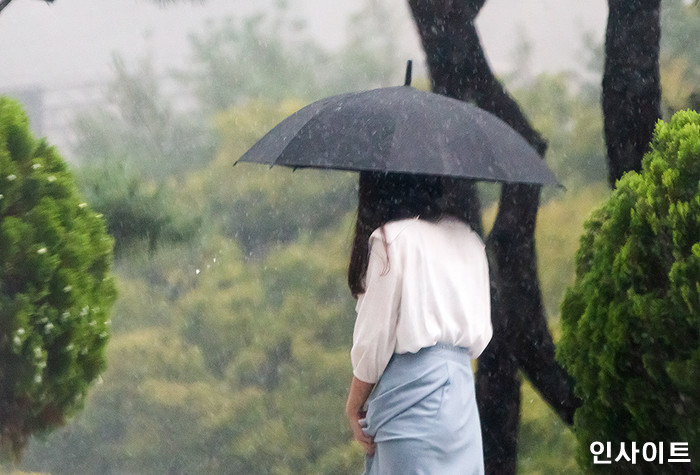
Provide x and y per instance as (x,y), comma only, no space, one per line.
(233,324)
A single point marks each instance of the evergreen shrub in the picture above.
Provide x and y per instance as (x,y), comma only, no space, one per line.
(631,321)
(55,286)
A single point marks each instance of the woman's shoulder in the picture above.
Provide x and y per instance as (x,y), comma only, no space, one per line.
(455,224)
(404,229)
(392,230)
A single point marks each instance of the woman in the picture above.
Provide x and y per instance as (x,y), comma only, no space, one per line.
(420,277)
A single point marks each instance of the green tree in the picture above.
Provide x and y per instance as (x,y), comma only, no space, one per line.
(55,286)
(259,207)
(680,65)
(143,127)
(279,328)
(136,210)
(631,321)
(569,116)
(234,61)
(274,58)
(245,371)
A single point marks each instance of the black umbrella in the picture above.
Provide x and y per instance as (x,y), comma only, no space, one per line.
(402,129)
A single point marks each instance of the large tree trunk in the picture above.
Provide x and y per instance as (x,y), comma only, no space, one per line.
(521,340)
(631,84)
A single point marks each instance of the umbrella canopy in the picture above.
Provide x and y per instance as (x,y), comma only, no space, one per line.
(405,130)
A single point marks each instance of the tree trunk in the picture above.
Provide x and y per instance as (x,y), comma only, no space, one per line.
(521,340)
(631,84)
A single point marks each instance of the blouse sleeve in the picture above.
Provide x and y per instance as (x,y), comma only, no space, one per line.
(374,337)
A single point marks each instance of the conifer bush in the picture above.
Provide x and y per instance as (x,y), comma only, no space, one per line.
(55,286)
(631,320)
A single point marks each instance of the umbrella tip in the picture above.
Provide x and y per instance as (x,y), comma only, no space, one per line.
(409,67)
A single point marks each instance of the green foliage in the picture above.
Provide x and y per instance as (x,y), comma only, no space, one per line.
(235,61)
(571,121)
(631,321)
(545,443)
(144,128)
(680,65)
(243,370)
(257,206)
(559,222)
(274,57)
(279,327)
(136,210)
(55,286)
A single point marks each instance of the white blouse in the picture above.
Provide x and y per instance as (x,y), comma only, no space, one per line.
(427,283)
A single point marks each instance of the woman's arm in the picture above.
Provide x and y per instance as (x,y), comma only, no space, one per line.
(359,392)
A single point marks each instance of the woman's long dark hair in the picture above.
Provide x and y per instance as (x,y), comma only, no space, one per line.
(384,197)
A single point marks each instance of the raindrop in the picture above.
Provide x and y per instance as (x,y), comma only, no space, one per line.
(41,251)
(82,205)
(67,288)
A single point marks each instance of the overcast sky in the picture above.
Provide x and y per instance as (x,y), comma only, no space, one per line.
(72,41)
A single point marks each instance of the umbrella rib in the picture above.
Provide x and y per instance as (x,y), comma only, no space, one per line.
(310,121)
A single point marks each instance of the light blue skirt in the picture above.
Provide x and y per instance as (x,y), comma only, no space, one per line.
(423,416)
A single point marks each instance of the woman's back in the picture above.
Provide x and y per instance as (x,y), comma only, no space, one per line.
(445,286)
(427,282)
